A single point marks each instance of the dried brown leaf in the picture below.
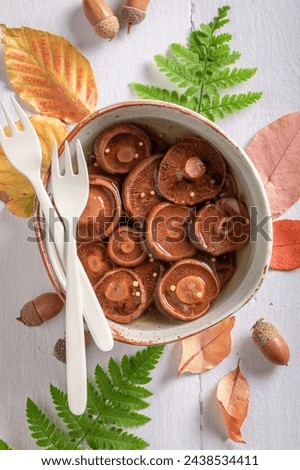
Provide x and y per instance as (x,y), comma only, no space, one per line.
(233,397)
(286,245)
(15,189)
(207,349)
(275,151)
(49,73)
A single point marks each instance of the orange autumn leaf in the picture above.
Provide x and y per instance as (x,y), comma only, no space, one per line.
(286,245)
(207,349)
(275,151)
(233,397)
(48,72)
(15,189)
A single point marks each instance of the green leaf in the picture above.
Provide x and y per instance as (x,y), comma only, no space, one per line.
(4,446)
(230,103)
(230,77)
(76,424)
(148,92)
(114,439)
(112,405)
(184,77)
(46,433)
(201,69)
(184,55)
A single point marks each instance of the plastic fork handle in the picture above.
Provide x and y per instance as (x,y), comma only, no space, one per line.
(92,311)
(75,343)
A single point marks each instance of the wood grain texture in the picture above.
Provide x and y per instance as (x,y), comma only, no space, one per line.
(184,411)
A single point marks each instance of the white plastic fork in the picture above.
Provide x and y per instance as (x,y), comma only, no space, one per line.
(70,194)
(23,150)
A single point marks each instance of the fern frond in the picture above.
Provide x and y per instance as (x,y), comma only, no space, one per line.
(148,92)
(230,77)
(77,425)
(201,69)
(44,432)
(229,103)
(137,368)
(114,439)
(183,77)
(4,446)
(184,55)
(115,372)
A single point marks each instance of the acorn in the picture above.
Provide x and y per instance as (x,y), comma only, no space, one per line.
(273,346)
(134,12)
(100,15)
(41,309)
(59,350)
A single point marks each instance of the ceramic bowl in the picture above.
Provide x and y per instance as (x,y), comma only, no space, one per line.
(252,261)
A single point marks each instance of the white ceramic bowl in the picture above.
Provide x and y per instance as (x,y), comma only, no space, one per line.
(253,260)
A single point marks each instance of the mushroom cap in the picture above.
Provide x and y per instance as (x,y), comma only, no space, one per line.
(224,265)
(166,232)
(221,227)
(125,247)
(192,171)
(122,295)
(102,212)
(94,259)
(120,147)
(186,289)
(139,195)
(150,273)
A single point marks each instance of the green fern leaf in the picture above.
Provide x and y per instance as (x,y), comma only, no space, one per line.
(148,92)
(103,382)
(184,77)
(120,417)
(201,69)
(4,446)
(184,55)
(230,77)
(115,372)
(114,439)
(46,433)
(77,425)
(220,39)
(230,103)
(138,367)
(136,390)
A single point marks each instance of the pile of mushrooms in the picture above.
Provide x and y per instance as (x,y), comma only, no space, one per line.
(160,227)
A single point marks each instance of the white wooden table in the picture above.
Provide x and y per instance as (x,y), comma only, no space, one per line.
(184,412)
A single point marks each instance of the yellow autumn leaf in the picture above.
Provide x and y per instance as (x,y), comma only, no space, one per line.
(15,189)
(48,72)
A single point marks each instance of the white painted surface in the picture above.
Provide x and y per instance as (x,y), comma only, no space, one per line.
(267,34)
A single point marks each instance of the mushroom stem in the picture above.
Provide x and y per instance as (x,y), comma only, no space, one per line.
(194,168)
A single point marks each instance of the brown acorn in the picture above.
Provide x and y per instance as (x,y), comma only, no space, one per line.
(101,17)
(134,12)
(273,346)
(41,309)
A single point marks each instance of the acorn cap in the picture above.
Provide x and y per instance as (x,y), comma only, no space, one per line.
(59,350)
(186,289)
(139,194)
(263,332)
(132,16)
(150,273)
(221,227)
(120,147)
(166,232)
(102,212)
(107,28)
(95,261)
(192,171)
(122,295)
(125,247)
